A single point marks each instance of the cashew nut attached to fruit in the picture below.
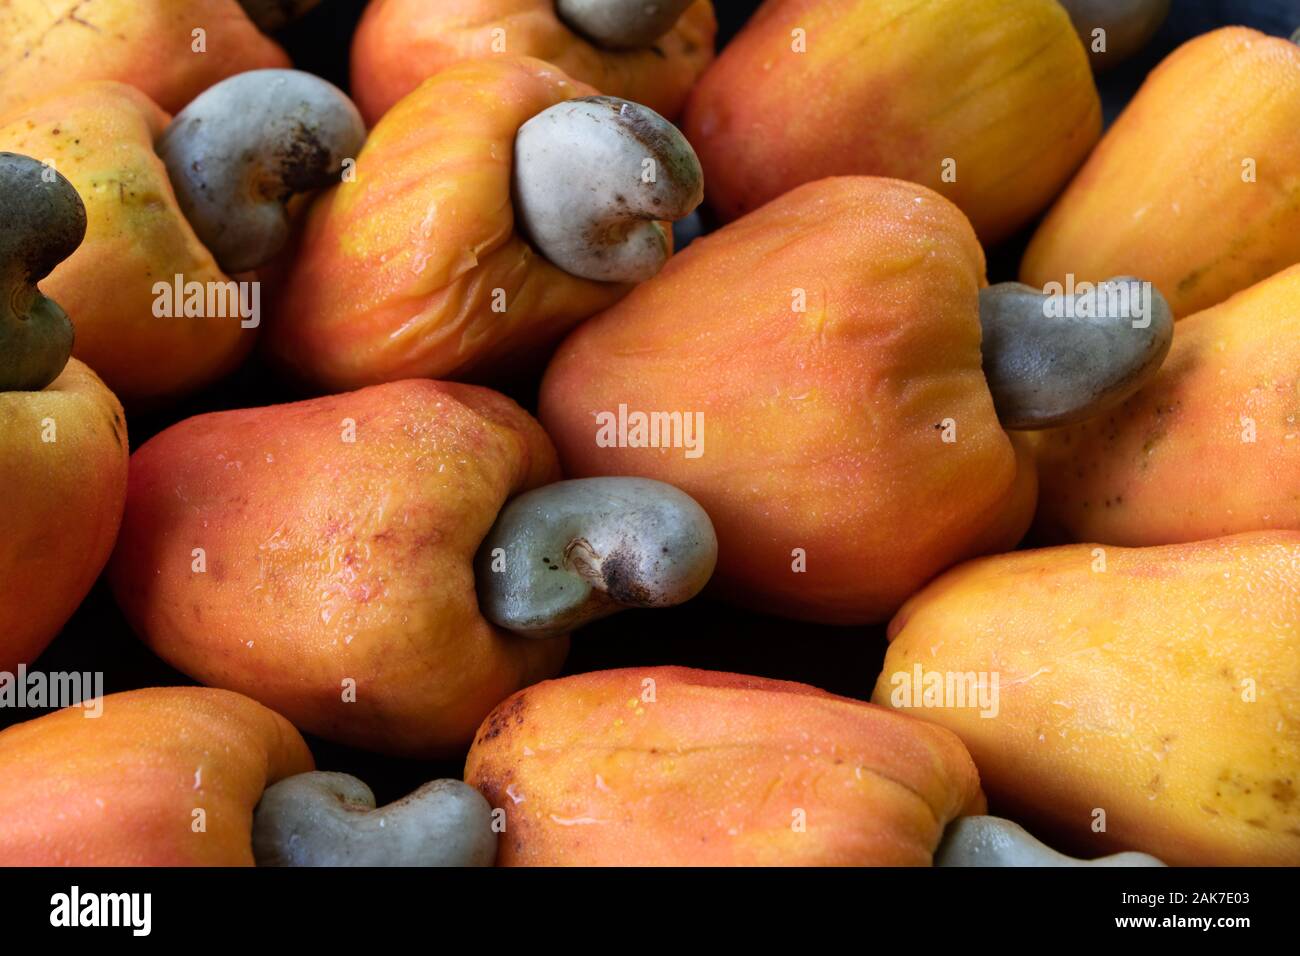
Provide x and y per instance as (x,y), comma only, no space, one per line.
(42,222)
(1057,360)
(245,146)
(594,178)
(621,24)
(329,819)
(992,841)
(574,551)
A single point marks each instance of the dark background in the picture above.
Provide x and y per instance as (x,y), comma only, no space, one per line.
(702,634)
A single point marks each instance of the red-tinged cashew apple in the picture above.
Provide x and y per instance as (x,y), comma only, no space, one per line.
(1155,691)
(161,777)
(668,766)
(172,50)
(492,209)
(63,445)
(1210,447)
(648,52)
(1194,187)
(989,102)
(827,379)
(176,211)
(320,557)
(189,776)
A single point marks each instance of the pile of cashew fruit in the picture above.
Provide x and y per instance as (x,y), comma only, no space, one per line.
(1025,483)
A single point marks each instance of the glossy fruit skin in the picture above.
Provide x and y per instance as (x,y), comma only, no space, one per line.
(63,501)
(894,88)
(823,428)
(1210,447)
(1172,167)
(124,788)
(329,561)
(45,44)
(714,769)
(1162,690)
(398,271)
(100,135)
(401,43)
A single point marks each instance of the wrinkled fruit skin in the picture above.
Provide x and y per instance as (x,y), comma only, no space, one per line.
(125,788)
(669,766)
(100,136)
(895,88)
(823,429)
(1163,689)
(397,272)
(1171,167)
(328,560)
(63,502)
(401,43)
(1173,463)
(148,44)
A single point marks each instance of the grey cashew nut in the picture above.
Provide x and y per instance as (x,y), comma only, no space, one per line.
(1129,24)
(568,553)
(593,179)
(992,841)
(1057,360)
(245,146)
(271,15)
(621,24)
(42,222)
(329,819)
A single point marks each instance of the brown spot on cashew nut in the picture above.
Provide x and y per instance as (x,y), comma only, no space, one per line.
(992,841)
(42,222)
(621,24)
(1046,369)
(574,551)
(594,177)
(329,819)
(245,146)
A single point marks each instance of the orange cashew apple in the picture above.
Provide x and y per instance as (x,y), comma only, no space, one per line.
(668,766)
(989,102)
(131,786)
(1210,447)
(1159,686)
(319,556)
(63,468)
(824,353)
(491,210)
(1195,186)
(655,60)
(156,310)
(357,563)
(831,379)
(172,50)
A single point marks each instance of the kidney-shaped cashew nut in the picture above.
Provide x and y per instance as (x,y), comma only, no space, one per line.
(329,819)
(243,147)
(42,222)
(621,24)
(568,553)
(594,177)
(1056,360)
(992,841)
